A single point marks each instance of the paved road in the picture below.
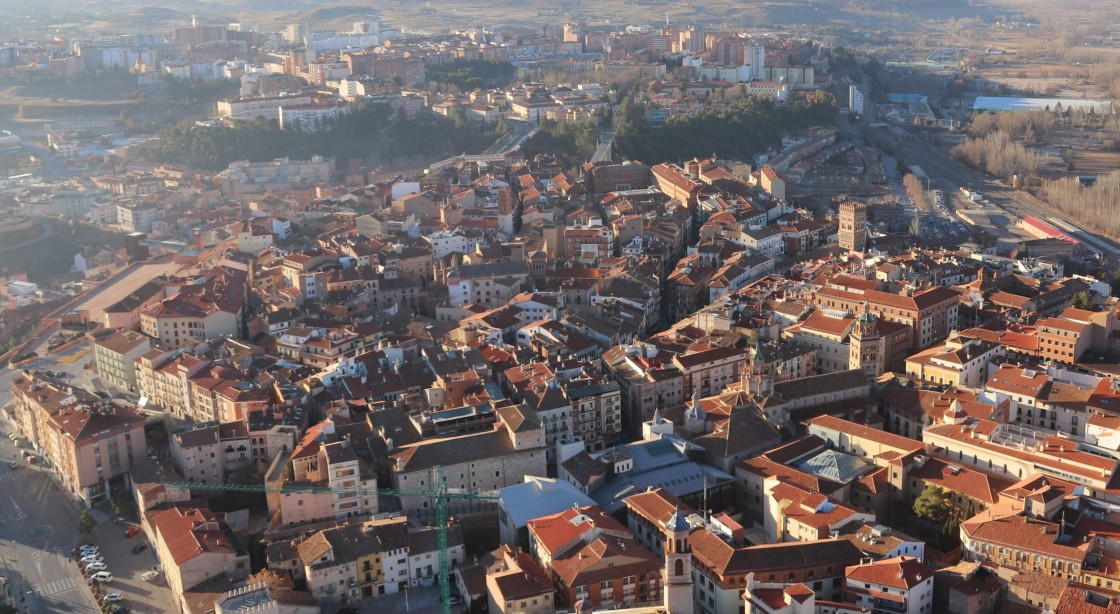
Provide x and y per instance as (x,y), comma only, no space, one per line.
(39,529)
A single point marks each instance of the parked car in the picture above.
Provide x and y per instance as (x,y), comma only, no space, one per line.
(138,548)
(148,576)
(100,566)
(117,609)
(131,531)
(92,558)
(113,597)
(12,465)
(102,576)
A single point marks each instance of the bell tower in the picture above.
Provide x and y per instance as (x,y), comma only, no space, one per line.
(866,351)
(678,565)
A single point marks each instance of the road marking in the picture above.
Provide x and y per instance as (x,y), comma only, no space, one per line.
(100,516)
(15,474)
(56,587)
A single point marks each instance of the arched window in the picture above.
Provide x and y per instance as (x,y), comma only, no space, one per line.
(678,567)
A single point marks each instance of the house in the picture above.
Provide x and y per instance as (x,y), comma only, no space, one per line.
(114,353)
(194,545)
(900,584)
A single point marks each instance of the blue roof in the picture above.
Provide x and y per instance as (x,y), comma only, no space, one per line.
(537,497)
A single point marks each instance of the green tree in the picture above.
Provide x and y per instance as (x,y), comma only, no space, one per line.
(121,503)
(933,505)
(86,523)
(1083,300)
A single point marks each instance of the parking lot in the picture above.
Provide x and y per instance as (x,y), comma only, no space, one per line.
(127,567)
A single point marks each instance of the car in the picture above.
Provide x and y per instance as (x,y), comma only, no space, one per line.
(455,600)
(131,531)
(138,548)
(99,566)
(12,465)
(113,597)
(148,576)
(102,576)
(92,558)
(86,551)
(117,609)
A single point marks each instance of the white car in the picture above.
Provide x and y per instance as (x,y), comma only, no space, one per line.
(102,576)
(92,558)
(113,597)
(148,576)
(97,567)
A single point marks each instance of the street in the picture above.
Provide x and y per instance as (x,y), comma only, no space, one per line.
(38,523)
(39,529)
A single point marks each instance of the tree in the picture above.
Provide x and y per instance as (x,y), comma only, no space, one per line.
(1083,300)
(86,523)
(933,505)
(120,503)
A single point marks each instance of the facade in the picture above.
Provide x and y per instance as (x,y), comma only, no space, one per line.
(114,355)
(194,545)
(901,584)
(89,441)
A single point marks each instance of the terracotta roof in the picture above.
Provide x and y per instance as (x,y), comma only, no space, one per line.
(901,572)
(656,505)
(558,532)
(1083,599)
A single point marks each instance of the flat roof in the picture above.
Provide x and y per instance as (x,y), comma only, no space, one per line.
(1016,103)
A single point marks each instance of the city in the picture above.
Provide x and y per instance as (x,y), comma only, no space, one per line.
(796,308)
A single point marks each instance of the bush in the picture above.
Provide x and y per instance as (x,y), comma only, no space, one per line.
(24,356)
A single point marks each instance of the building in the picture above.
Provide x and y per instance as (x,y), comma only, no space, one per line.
(855,100)
(853,226)
(312,116)
(902,584)
(115,353)
(482,462)
(90,442)
(194,545)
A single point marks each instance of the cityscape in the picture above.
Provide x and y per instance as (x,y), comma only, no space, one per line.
(795,307)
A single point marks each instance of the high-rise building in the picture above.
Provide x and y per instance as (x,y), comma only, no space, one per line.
(756,57)
(855,99)
(295,33)
(853,226)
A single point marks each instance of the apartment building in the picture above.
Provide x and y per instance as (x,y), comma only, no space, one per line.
(515,584)
(194,313)
(707,372)
(323,459)
(90,442)
(645,384)
(194,545)
(959,362)
(902,584)
(1012,540)
(114,355)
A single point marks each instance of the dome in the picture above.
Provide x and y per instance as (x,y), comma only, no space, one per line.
(677,522)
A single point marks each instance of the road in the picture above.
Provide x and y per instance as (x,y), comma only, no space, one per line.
(39,529)
(519,133)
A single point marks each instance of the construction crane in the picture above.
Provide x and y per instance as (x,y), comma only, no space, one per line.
(441,494)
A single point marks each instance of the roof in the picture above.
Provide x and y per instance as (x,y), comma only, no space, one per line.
(606,558)
(716,554)
(835,466)
(558,532)
(901,572)
(538,497)
(453,450)
(191,532)
(1082,599)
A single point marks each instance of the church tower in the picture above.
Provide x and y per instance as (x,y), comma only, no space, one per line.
(866,351)
(678,565)
(759,382)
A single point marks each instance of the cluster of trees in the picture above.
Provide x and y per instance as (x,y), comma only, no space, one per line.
(572,143)
(917,191)
(1095,207)
(997,154)
(470,75)
(213,148)
(434,135)
(740,130)
(358,135)
(1028,126)
(196,94)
